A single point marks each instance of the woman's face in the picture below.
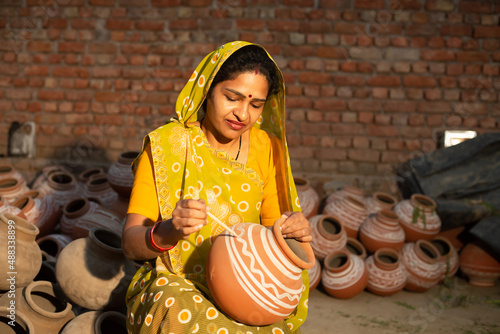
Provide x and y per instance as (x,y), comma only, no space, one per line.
(235,105)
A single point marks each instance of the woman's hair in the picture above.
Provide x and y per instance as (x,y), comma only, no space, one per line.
(250,58)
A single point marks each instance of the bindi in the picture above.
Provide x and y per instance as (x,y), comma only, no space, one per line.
(250,96)
(257,69)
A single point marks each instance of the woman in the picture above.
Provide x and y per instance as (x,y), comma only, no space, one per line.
(214,157)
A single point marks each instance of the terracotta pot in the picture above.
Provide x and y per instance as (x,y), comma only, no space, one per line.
(351,213)
(62,186)
(418,217)
(455,236)
(328,235)
(5,207)
(53,244)
(94,322)
(93,271)
(84,176)
(421,262)
(258,270)
(98,187)
(314,275)
(120,176)
(19,323)
(40,211)
(11,189)
(308,197)
(379,201)
(386,274)
(479,266)
(39,302)
(381,230)
(340,194)
(26,258)
(101,218)
(356,248)
(344,275)
(448,257)
(73,211)
(7,171)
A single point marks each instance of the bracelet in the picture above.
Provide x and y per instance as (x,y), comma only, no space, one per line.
(153,243)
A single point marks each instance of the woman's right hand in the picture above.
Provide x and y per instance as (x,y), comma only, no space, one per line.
(189,216)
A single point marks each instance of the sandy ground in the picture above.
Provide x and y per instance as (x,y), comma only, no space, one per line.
(459,308)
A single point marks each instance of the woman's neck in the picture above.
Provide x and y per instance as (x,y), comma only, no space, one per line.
(231,146)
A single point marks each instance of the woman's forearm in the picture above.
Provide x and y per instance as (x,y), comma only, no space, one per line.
(136,244)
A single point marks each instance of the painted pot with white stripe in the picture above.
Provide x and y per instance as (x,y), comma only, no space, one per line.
(255,275)
(344,275)
(386,274)
(421,262)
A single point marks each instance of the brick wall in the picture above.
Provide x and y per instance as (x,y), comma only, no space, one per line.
(369,82)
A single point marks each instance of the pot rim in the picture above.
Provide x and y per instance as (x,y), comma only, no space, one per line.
(430,247)
(304,183)
(325,233)
(388,252)
(25,226)
(288,251)
(356,244)
(105,315)
(337,253)
(38,309)
(423,202)
(22,316)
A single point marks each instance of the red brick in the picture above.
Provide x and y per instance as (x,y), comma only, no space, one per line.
(439,5)
(456,30)
(438,55)
(419,81)
(381,130)
(39,46)
(135,48)
(330,154)
(474,69)
(448,82)
(453,121)
(421,29)
(454,42)
(348,80)
(349,28)
(165,3)
(365,117)
(348,66)
(400,106)
(78,119)
(418,42)
(399,41)
(467,109)
(491,44)
(327,141)
(472,83)
(433,94)
(36,70)
(365,67)
(299,102)
(347,129)
(436,42)
(314,77)
(50,95)
(331,52)
(103,48)
(338,4)
(315,27)
(487,122)
(108,96)
(16,94)
(364,105)
(314,128)
(470,56)
(454,69)
(283,25)
(79,95)
(119,24)
(343,142)
(434,107)
(150,25)
(67,71)
(106,72)
(71,47)
(314,116)
(470,122)
(247,24)
(363,155)
(380,93)
(384,81)
(382,119)
(476,7)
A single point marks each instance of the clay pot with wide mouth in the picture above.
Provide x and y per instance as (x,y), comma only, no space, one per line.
(344,191)
(479,265)
(344,275)
(120,175)
(449,260)
(328,235)
(421,262)
(379,201)
(418,217)
(386,274)
(308,197)
(94,322)
(350,211)
(355,247)
(382,229)
(258,270)
(62,186)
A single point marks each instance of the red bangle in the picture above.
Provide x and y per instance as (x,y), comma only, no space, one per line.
(153,243)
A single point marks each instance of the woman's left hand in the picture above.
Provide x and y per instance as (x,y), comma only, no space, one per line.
(296,226)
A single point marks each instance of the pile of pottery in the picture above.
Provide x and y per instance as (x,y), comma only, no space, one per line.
(61,256)
(383,245)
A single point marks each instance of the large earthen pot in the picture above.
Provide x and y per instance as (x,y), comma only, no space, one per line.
(328,235)
(382,229)
(418,217)
(421,262)
(479,266)
(258,270)
(344,275)
(386,274)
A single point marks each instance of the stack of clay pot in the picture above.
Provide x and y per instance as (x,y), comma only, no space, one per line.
(378,244)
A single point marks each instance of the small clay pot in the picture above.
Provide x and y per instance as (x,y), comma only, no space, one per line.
(62,186)
(73,211)
(356,248)
(479,266)
(98,187)
(448,257)
(328,235)
(421,262)
(40,211)
(418,218)
(350,211)
(11,189)
(379,201)
(344,275)
(386,274)
(382,229)
(120,176)
(308,197)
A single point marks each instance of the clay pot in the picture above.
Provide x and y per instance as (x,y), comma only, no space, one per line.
(340,194)
(308,197)
(421,262)
(314,275)
(7,171)
(381,230)
(73,211)
(379,201)
(328,235)
(7,208)
(455,236)
(40,211)
(344,275)
(62,186)
(53,244)
(479,266)
(448,257)
(120,176)
(386,274)
(84,176)
(11,189)
(93,271)
(355,247)
(27,258)
(98,187)
(418,217)
(101,218)
(19,323)
(258,270)
(351,213)
(39,302)
(94,322)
